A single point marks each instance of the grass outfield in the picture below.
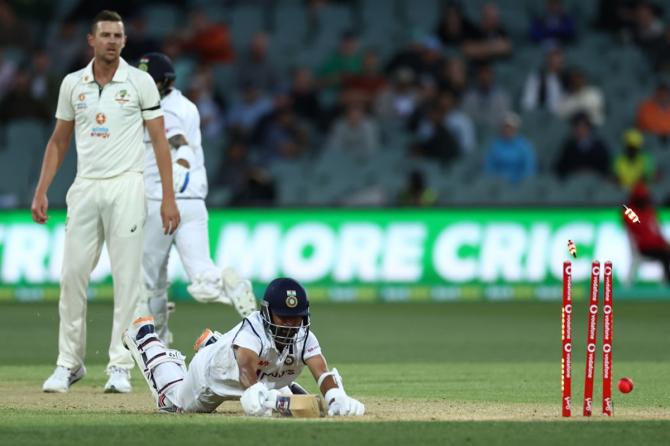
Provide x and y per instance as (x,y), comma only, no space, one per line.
(469,373)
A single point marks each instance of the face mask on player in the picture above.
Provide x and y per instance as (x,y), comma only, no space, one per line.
(284,335)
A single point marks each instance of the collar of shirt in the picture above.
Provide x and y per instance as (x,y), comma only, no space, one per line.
(120,75)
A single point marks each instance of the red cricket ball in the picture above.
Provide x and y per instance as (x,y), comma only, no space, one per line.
(625,385)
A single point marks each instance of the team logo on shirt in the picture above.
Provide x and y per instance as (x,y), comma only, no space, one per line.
(122,97)
(291,299)
(81,105)
(289,360)
(100,132)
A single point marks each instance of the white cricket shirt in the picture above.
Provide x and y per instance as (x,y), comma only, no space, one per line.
(275,369)
(181,118)
(109,121)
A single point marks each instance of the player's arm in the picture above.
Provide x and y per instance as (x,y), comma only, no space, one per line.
(330,385)
(55,152)
(169,211)
(257,400)
(247,361)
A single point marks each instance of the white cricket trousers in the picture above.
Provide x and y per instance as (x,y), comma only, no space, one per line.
(191,239)
(110,211)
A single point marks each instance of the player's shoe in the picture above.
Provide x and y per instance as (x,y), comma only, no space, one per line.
(206,289)
(239,291)
(62,378)
(119,380)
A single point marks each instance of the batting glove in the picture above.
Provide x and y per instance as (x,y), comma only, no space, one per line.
(258,400)
(339,403)
(180,176)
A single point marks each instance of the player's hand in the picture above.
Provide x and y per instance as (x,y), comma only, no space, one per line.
(180,177)
(39,208)
(169,216)
(256,399)
(340,404)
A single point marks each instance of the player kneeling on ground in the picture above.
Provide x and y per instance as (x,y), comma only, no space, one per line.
(255,362)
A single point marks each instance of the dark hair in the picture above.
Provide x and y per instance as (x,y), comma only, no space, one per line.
(105,16)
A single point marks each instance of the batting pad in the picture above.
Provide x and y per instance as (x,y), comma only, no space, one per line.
(302,406)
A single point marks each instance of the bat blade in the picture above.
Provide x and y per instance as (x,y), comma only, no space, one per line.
(301,406)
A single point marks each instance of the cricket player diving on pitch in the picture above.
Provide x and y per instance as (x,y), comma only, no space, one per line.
(255,362)
(208,283)
(107,105)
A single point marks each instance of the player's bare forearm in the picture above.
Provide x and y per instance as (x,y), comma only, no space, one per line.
(318,366)
(162,152)
(247,361)
(55,152)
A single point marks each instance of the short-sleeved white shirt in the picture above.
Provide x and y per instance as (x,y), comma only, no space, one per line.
(275,369)
(181,118)
(109,121)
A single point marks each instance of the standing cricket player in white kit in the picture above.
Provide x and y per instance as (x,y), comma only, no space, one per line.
(208,283)
(254,362)
(107,104)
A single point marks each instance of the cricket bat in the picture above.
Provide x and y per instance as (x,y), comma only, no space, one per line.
(301,406)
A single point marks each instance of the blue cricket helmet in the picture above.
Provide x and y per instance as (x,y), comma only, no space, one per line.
(159,66)
(285,297)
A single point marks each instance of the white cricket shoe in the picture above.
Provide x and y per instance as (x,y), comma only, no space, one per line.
(62,378)
(239,291)
(119,380)
(206,289)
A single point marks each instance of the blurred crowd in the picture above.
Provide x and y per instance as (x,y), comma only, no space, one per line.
(439,87)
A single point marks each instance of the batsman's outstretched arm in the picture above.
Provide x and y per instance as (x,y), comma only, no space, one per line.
(330,385)
(257,400)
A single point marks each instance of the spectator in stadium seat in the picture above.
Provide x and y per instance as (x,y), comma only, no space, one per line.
(256,66)
(244,114)
(280,133)
(65,47)
(554,25)
(13,30)
(653,114)
(210,106)
(235,163)
(20,103)
(633,165)
(407,57)
(370,81)
(453,27)
(583,150)
(647,26)
(343,62)
(433,138)
(486,102)
(543,89)
(453,76)
(211,42)
(305,95)
(44,84)
(399,101)
(416,192)
(511,156)
(659,54)
(490,40)
(356,132)
(7,73)
(458,122)
(579,97)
